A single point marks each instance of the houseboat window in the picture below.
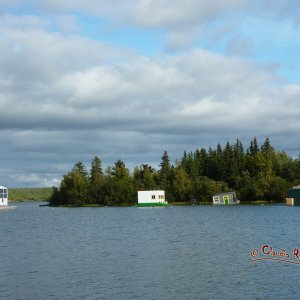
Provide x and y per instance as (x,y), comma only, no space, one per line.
(1,191)
(216,199)
(153,197)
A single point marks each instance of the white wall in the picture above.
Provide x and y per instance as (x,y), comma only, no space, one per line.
(151,196)
(3,202)
(3,196)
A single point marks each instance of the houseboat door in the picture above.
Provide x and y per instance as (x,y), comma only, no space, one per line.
(226,199)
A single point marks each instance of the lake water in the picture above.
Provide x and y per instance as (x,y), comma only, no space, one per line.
(186,252)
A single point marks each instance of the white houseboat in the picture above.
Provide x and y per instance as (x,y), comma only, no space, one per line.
(3,195)
(152,198)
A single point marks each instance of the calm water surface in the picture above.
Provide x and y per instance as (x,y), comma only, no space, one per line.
(189,252)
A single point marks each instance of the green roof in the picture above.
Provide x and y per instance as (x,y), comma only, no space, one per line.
(294,193)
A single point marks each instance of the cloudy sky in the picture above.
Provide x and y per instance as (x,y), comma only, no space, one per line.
(128,79)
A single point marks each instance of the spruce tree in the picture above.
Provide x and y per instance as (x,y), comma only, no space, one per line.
(97,191)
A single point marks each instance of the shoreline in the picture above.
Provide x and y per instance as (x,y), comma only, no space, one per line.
(254,203)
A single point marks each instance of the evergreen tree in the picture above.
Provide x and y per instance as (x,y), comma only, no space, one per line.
(166,175)
(212,165)
(97,182)
(165,165)
(237,163)
(227,163)
(266,148)
(198,164)
(96,176)
(165,170)
(204,162)
(184,162)
(219,163)
(269,157)
(253,149)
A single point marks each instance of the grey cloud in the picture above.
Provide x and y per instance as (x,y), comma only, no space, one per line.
(64,99)
(240,46)
(122,95)
(288,9)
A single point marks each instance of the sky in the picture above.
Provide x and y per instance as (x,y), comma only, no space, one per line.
(131,79)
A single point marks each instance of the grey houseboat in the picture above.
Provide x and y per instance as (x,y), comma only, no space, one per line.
(225,198)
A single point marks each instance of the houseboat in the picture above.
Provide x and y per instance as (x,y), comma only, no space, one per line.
(225,198)
(152,198)
(3,196)
(293,198)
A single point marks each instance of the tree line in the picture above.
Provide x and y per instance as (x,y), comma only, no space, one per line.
(256,173)
(29,194)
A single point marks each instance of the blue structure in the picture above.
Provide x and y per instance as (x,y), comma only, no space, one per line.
(293,198)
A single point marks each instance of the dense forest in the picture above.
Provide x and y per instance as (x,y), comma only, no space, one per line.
(255,173)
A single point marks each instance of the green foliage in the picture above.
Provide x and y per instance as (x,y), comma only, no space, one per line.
(145,177)
(74,188)
(260,173)
(121,185)
(257,173)
(182,184)
(277,189)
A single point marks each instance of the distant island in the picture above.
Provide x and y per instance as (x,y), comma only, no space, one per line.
(30,194)
(258,173)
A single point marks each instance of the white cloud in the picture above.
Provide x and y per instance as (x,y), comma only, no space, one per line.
(181,20)
(147,13)
(36,180)
(180,14)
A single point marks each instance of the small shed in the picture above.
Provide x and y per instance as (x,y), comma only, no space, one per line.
(293,197)
(225,198)
(3,195)
(152,198)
